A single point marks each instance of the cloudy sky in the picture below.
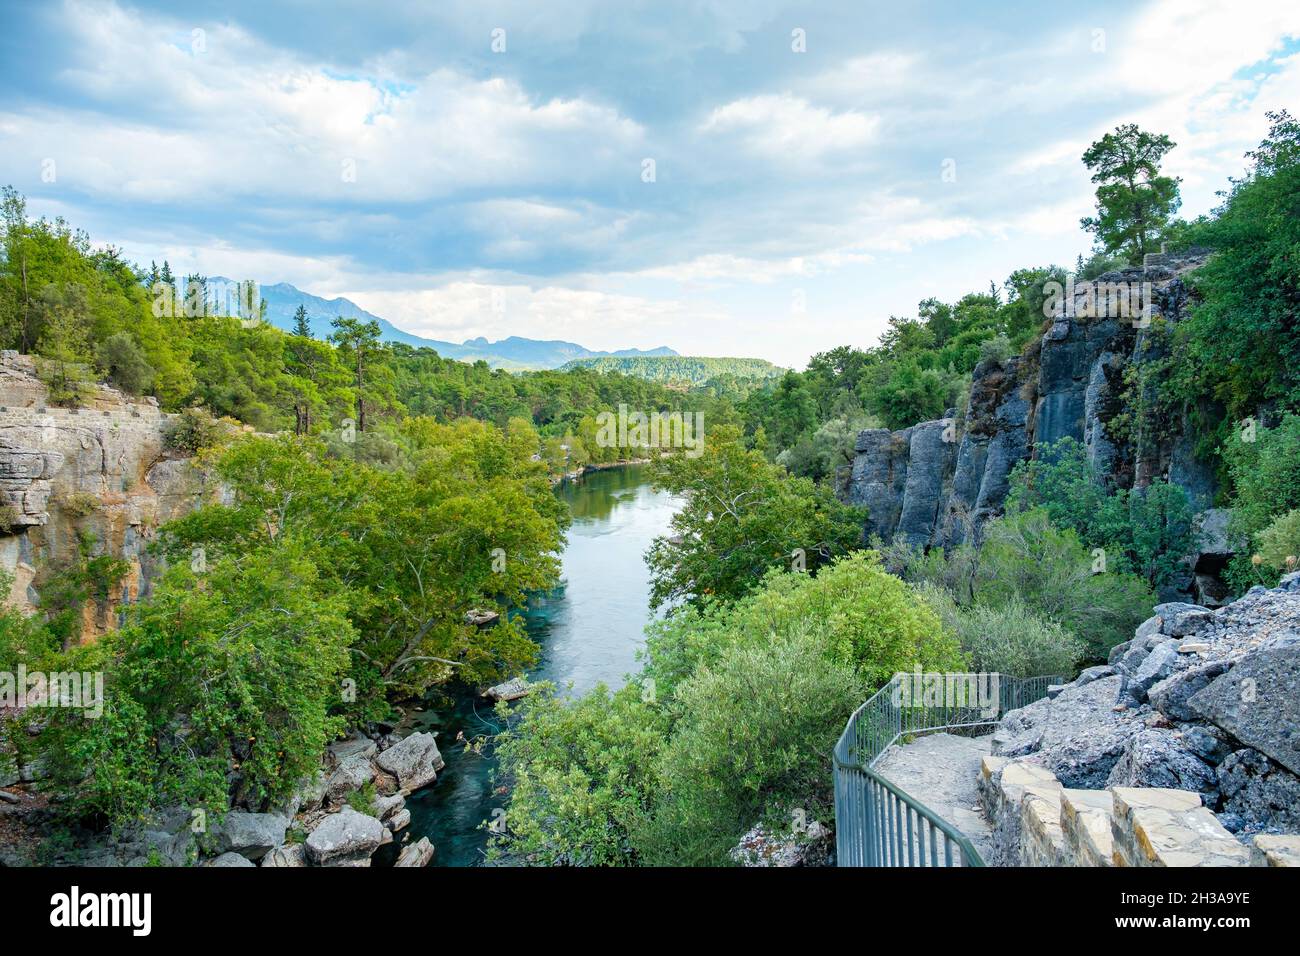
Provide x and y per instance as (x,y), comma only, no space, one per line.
(727,178)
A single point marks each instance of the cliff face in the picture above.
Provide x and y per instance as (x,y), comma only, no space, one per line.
(99,473)
(936,483)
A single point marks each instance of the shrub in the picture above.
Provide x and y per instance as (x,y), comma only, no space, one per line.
(860,613)
(1279,544)
(1023,557)
(122,359)
(753,737)
(582,777)
(997,349)
(1014,640)
(193,431)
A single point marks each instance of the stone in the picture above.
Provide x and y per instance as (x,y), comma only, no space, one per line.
(1257,793)
(1159,758)
(1171,696)
(352,773)
(291,854)
(1155,667)
(1189,622)
(382,807)
(761,847)
(249,834)
(1090,674)
(1153,827)
(414,762)
(1042,841)
(512,689)
(346,838)
(1149,628)
(1193,647)
(231,859)
(419,853)
(1258,700)
(1118,651)
(1274,849)
(1169,612)
(399,821)
(1086,826)
(358,743)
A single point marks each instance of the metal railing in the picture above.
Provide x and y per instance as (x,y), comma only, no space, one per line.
(877,823)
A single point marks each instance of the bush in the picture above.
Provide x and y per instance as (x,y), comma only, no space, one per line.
(753,738)
(997,349)
(860,613)
(1014,640)
(582,777)
(1279,544)
(1023,557)
(124,362)
(193,431)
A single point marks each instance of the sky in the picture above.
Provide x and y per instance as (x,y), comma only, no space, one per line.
(748,178)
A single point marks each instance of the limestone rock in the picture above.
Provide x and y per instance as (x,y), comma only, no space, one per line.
(249,834)
(512,689)
(291,855)
(346,838)
(415,761)
(231,859)
(352,773)
(1086,826)
(1271,849)
(1162,827)
(1155,667)
(419,853)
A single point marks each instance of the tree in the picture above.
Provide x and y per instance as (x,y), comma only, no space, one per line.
(301,325)
(361,341)
(742,516)
(124,362)
(1134,202)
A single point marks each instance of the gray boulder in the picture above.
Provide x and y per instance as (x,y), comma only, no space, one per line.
(357,744)
(419,853)
(1171,695)
(231,859)
(1168,612)
(1155,667)
(415,761)
(1149,628)
(1258,794)
(346,838)
(352,773)
(1155,757)
(251,835)
(1258,701)
(290,855)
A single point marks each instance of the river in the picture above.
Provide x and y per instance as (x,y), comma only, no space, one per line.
(589,629)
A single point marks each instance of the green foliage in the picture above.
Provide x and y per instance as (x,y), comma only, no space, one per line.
(1134,202)
(220,688)
(753,735)
(1263,466)
(124,362)
(1240,347)
(583,777)
(194,431)
(681,370)
(741,516)
(1009,639)
(1278,545)
(1145,531)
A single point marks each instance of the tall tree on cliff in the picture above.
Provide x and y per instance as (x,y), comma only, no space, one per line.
(359,340)
(1134,202)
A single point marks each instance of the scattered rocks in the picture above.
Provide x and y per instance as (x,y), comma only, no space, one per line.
(813,846)
(1258,701)
(1258,794)
(231,859)
(251,835)
(512,689)
(1161,758)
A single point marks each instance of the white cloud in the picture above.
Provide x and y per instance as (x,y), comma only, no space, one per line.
(788,128)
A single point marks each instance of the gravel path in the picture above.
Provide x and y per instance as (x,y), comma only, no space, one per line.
(941,771)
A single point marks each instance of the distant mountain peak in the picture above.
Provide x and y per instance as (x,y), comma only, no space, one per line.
(514,352)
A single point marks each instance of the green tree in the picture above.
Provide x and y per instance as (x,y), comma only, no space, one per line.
(359,341)
(741,516)
(301,325)
(1134,202)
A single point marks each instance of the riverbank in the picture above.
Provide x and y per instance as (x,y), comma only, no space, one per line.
(601,466)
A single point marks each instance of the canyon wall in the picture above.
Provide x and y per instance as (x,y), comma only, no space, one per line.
(99,477)
(937,482)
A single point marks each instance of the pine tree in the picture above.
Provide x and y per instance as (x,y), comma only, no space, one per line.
(301,326)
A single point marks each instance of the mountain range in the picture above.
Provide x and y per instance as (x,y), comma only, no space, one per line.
(514,353)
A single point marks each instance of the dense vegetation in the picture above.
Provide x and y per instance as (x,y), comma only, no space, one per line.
(681,370)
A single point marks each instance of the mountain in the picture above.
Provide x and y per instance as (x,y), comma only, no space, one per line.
(514,353)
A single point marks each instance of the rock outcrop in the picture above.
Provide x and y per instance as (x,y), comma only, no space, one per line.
(936,483)
(1202,703)
(101,471)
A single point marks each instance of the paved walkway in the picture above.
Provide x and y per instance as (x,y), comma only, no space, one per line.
(941,771)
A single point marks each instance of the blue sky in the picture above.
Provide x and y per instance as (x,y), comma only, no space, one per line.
(391,154)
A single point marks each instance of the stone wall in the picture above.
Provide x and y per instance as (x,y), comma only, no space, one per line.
(99,473)
(1180,751)
(936,483)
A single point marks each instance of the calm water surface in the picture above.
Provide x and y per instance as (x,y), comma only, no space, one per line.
(589,629)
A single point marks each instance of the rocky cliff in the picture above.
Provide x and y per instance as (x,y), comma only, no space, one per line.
(98,476)
(937,482)
(1191,729)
